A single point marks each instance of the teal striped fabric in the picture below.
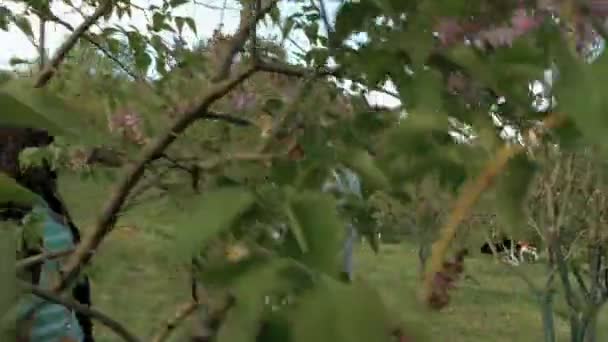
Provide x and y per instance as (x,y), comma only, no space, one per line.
(52,322)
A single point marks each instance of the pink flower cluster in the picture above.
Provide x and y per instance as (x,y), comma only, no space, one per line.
(129,124)
(452,31)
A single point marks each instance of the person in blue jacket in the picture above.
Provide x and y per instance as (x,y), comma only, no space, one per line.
(41,321)
(344,181)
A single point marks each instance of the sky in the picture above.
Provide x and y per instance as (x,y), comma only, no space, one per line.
(207,18)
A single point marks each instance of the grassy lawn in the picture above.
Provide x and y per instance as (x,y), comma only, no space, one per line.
(135,280)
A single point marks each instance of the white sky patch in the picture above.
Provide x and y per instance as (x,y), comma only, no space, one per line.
(15,43)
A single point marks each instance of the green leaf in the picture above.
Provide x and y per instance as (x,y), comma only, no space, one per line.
(426,95)
(16,113)
(177,3)
(277,277)
(157,43)
(296,230)
(5,17)
(11,191)
(352,16)
(158,19)
(34,157)
(580,95)
(511,190)
(108,14)
(453,169)
(226,274)
(273,105)
(136,41)
(314,143)
(160,65)
(16,61)
(24,25)
(415,135)
(275,328)
(179,23)
(337,312)
(275,14)
(417,39)
(114,45)
(312,31)
(363,164)
(143,61)
(217,211)
(288,27)
(26,106)
(315,215)
(191,24)
(284,171)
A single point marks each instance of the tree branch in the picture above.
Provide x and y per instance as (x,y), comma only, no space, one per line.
(49,296)
(172,323)
(293,70)
(239,40)
(42,42)
(42,257)
(323,13)
(298,71)
(217,8)
(465,202)
(52,17)
(216,116)
(45,75)
(107,218)
(135,171)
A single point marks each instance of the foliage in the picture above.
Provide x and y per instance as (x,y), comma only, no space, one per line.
(257,143)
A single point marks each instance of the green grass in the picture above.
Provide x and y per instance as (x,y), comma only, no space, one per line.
(136,281)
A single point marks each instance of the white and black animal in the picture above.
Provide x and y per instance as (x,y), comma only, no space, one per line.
(513,252)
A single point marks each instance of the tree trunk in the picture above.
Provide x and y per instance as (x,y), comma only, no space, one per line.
(423,255)
(546,303)
(349,251)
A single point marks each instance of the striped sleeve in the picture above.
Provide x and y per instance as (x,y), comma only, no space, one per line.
(53,322)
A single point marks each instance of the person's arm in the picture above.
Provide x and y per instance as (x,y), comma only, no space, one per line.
(81,291)
(82,294)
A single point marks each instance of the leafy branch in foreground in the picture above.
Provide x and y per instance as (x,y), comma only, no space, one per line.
(190,114)
(465,202)
(81,255)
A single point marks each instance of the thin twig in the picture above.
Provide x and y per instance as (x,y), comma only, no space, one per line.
(45,75)
(297,71)
(581,282)
(217,8)
(214,163)
(239,40)
(42,257)
(52,17)
(182,313)
(324,16)
(217,116)
(42,42)
(49,296)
